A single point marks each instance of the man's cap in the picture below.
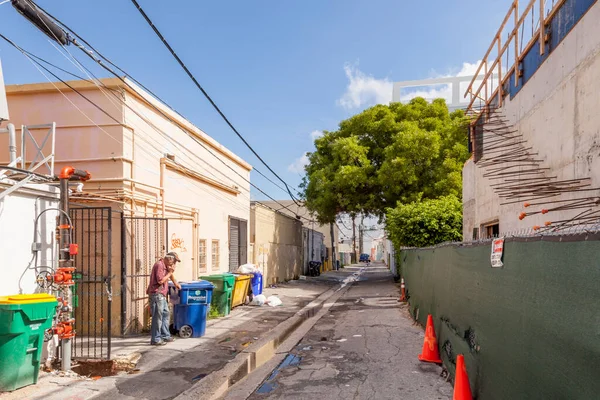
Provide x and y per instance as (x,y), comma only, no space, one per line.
(174,255)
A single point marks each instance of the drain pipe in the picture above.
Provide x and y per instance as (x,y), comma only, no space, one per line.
(12,142)
(64,328)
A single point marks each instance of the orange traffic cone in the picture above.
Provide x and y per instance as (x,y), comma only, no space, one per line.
(462,390)
(430,351)
(402,291)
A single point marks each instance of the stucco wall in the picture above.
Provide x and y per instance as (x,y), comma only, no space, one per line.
(277,244)
(214,206)
(17,215)
(556,112)
(293,209)
(79,141)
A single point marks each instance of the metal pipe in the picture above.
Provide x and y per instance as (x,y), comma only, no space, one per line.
(12,142)
(66,354)
(163,168)
(64,260)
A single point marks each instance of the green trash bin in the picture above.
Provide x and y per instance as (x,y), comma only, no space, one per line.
(23,320)
(221,298)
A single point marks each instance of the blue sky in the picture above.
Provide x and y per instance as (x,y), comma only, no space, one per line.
(280,70)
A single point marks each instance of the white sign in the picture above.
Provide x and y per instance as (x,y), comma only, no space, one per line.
(497,251)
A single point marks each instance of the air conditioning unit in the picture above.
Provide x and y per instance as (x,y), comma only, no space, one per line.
(3,103)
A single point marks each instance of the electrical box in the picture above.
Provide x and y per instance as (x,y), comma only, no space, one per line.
(3,102)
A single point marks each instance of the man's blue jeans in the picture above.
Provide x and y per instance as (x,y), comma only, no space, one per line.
(160,318)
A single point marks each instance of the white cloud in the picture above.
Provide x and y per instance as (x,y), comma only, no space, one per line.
(316,134)
(299,164)
(364,90)
(468,69)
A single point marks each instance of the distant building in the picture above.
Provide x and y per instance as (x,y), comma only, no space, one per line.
(291,209)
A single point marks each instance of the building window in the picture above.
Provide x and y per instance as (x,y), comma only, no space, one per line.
(202,255)
(491,230)
(215,255)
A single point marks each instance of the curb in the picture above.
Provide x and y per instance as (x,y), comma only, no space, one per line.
(217,383)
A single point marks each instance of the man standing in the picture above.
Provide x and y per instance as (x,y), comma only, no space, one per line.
(162,271)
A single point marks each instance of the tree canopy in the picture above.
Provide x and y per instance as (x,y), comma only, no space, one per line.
(387,154)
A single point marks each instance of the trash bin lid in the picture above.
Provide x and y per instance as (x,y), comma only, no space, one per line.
(229,278)
(243,277)
(196,285)
(27,298)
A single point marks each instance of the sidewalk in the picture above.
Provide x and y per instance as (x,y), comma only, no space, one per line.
(164,372)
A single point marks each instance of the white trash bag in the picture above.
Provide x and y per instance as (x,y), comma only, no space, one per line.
(274,301)
(258,300)
(247,269)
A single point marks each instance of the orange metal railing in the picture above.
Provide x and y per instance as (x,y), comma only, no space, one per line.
(498,62)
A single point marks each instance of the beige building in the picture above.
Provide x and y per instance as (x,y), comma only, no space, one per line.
(158,184)
(545,169)
(290,208)
(276,240)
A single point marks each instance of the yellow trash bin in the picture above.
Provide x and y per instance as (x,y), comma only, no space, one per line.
(240,289)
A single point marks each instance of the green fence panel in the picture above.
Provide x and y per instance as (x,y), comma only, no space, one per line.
(528,330)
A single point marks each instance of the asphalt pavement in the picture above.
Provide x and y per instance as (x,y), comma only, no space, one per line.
(365,347)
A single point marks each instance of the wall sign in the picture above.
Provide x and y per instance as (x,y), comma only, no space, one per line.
(497,252)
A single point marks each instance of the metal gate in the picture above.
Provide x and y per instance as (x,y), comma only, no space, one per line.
(92,292)
(143,242)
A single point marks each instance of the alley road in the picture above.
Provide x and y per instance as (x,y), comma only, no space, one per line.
(366,347)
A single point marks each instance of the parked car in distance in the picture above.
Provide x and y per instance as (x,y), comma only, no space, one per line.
(364,258)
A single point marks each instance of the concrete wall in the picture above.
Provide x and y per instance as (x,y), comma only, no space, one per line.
(277,243)
(556,112)
(17,215)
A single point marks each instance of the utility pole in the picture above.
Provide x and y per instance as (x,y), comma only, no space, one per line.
(360,235)
(354,237)
(312,245)
(333,261)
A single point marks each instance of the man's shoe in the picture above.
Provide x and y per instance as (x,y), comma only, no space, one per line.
(169,339)
(161,343)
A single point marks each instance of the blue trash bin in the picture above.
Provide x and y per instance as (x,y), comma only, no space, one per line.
(257,283)
(190,307)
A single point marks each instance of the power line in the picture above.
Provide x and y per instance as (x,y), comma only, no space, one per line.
(105,112)
(191,76)
(108,69)
(144,152)
(153,106)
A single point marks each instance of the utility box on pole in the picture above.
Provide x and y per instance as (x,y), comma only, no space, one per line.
(3,102)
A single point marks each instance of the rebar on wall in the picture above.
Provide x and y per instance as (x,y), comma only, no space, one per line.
(518,175)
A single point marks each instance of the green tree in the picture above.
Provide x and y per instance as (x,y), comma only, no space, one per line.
(385,155)
(425,223)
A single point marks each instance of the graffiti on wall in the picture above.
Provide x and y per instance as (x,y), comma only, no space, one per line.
(177,243)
